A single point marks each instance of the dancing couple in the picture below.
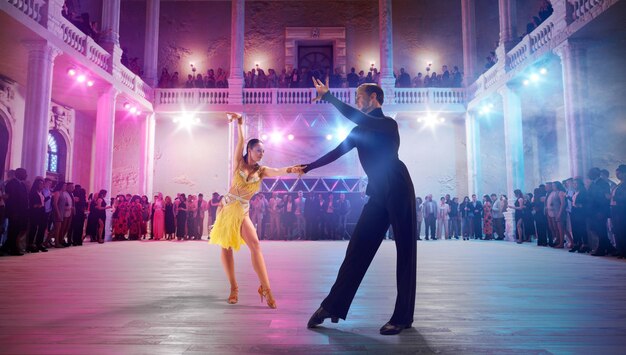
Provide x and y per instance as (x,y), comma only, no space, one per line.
(392,202)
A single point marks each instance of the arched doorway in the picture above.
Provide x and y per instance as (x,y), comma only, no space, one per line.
(57,156)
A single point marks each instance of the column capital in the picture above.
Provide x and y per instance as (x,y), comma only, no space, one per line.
(569,47)
(43,47)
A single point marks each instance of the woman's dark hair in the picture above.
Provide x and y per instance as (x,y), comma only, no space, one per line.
(487,198)
(558,186)
(251,143)
(102,193)
(58,186)
(518,193)
(35,188)
(466,199)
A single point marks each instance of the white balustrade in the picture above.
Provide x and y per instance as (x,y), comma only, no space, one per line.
(518,54)
(31,8)
(213,96)
(74,37)
(541,35)
(294,96)
(411,96)
(582,7)
(97,54)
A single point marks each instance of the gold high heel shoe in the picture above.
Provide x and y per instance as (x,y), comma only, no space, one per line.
(234,296)
(267,293)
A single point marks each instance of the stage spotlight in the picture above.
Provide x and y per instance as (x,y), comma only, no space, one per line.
(526,82)
(81,78)
(543,71)
(186,120)
(133,110)
(329,137)
(71,72)
(534,77)
(430,120)
(137,113)
(90,83)
(276,136)
(290,137)
(126,106)
(264,137)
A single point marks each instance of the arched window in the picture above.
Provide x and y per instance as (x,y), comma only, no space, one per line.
(53,154)
(57,155)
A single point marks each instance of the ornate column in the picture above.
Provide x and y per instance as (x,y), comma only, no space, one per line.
(472,138)
(110,39)
(111,22)
(469,40)
(151,46)
(508,23)
(513,139)
(149,156)
(41,55)
(385,37)
(105,124)
(235,80)
(574,63)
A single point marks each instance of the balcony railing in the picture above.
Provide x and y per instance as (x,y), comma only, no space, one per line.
(286,97)
(85,46)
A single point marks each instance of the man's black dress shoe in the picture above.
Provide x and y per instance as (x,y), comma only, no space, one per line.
(392,329)
(318,318)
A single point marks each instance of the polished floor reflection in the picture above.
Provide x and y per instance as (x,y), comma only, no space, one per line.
(170,297)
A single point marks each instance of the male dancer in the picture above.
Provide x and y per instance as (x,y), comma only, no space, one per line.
(392,201)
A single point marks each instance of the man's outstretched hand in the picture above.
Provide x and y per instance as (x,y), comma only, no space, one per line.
(321,88)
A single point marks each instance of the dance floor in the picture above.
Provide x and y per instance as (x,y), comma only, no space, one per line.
(473,297)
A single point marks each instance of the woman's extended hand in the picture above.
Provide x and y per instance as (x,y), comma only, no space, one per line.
(321,88)
(234,116)
(296,169)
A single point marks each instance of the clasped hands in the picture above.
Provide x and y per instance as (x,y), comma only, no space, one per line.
(296,169)
(234,116)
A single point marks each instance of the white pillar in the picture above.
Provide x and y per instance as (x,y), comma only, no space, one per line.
(385,38)
(574,63)
(111,22)
(508,23)
(151,122)
(105,124)
(151,46)
(235,80)
(513,140)
(41,56)
(472,138)
(469,40)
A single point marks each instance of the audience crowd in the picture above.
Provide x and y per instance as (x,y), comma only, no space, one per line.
(575,213)
(302,78)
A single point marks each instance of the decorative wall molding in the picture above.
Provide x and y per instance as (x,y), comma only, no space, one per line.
(300,35)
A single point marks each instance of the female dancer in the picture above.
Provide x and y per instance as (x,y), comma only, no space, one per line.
(233,226)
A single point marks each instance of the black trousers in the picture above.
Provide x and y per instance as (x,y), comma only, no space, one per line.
(619,228)
(478,227)
(76,229)
(430,225)
(38,224)
(597,225)
(541,222)
(17,226)
(399,212)
(579,227)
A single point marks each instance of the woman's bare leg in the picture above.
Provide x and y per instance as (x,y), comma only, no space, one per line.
(228,261)
(252,241)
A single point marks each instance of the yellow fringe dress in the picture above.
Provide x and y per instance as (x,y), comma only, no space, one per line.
(234,207)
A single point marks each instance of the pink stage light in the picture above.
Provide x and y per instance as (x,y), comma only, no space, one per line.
(126,106)
(329,136)
(264,137)
(71,72)
(90,83)
(276,137)
(290,137)
(81,78)
(133,110)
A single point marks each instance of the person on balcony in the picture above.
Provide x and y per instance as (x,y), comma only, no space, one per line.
(392,202)
(233,226)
